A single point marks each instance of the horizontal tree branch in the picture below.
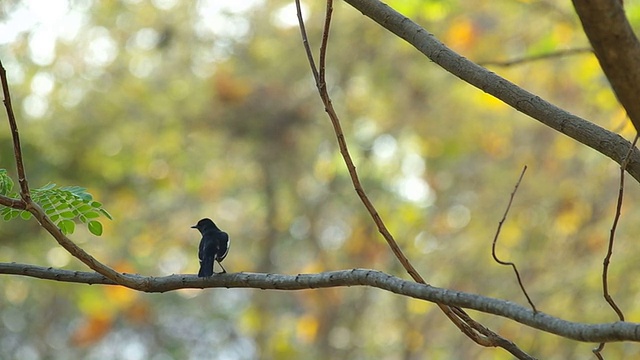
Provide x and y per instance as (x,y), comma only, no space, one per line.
(12,203)
(606,332)
(604,141)
(531,58)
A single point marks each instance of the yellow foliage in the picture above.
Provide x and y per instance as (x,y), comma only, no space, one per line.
(510,235)
(312,267)
(461,34)
(571,216)
(619,123)
(587,70)
(282,344)
(488,101)
(250,320)
(91,301)
(418,307)
(307,328)
(429,10)
(563,33)
(120,296)
(605,99)
(564,148)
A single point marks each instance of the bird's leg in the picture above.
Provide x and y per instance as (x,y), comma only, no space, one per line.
(223,269)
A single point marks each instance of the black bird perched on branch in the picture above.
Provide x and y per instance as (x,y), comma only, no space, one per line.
(214,246)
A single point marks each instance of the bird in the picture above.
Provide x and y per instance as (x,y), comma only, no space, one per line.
(214,246)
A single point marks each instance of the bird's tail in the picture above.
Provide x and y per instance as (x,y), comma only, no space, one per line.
(206,268)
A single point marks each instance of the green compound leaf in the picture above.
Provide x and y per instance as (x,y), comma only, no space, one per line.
(106,213)
(25,215)
(49,186)
(95,227)
(68,215)
(63,205)
(91,215)
(67,226)
(6,183)
(8,215)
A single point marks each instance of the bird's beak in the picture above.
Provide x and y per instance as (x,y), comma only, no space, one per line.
(194,227)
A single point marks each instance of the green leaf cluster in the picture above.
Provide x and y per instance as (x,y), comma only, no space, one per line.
(63,205)
(6,183)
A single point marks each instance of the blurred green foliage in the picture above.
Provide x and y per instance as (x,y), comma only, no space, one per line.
(172,111)
(62,205)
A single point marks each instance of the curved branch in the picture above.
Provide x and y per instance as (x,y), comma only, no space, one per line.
(616,47)
(27,204)
(479,334)
(606,332)
(122,279)
(495,241)
(604,141)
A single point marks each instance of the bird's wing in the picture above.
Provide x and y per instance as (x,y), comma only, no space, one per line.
(202,250)
(223,245)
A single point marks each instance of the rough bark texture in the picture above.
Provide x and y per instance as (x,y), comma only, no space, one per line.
(617,49)
(604,141)
(606,332)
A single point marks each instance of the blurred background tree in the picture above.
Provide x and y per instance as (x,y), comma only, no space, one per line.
(171,111)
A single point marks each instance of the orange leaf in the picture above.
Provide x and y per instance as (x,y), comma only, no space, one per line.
(91,331)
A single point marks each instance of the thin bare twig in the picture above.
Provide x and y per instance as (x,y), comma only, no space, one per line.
(495,240)
(17,149)
(597,351)
(305,42)
(532,58)
(323,46)
(344,150)
(475,331)
(612,234)
(27,204)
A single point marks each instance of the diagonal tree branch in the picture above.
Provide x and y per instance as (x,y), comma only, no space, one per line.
(474,330)
(606,332)
(17,149)
(27,204)
(604,141)
(319,77)
(79,253)
(617,49)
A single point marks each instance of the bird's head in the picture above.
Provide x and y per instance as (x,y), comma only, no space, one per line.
(204,224)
